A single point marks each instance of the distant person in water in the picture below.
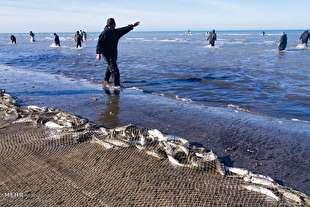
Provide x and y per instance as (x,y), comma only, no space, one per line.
(84,35)
(56,40)
(212,37)
(78,39)
(81,33)
(31,36)
(189,33)
(264,33)
(283,42)
(13,39)
(305,36)
(107,47)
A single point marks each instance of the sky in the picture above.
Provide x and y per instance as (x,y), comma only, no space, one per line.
(91,15)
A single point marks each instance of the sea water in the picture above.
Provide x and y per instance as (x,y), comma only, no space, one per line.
(243,71)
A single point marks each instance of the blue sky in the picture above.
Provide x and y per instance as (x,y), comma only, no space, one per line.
(70,15)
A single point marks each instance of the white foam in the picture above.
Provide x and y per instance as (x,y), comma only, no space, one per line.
(212,47)
(301,46)
(173,40)
(135,88)
(54,46)
(135,38)
(183,99)
(237,108)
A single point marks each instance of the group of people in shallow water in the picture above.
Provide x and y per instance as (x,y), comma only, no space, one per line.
(108,43)
(106,47)
(304,38)
(79,37)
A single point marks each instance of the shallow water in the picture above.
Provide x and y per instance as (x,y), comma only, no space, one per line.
(244,70)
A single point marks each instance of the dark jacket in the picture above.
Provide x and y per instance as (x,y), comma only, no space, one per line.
(78,38)
(108,40)
(305,37)
(57,41)
(13,38)
(212,37)
(283,42)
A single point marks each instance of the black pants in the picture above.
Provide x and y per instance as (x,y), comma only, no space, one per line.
(78,44)
(212,43)
(57,43)
(112,69)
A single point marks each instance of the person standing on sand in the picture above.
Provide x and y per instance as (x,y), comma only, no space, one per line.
(78,39)
(13,39)
(212,38)
(107,48)
(56,40)
(283,42)
(305,36)
(31,36)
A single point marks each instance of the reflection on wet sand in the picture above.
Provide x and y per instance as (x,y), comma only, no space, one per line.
(110,117)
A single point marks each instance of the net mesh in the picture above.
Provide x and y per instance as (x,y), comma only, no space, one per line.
(39,170)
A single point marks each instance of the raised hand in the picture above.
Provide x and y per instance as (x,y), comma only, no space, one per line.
(136,24)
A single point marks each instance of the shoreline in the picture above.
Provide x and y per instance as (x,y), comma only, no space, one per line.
(56,141)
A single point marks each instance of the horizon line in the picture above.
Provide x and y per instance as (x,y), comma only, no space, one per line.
(178,30)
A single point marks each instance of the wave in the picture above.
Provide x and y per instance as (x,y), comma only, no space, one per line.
(135,38)
(233,42)
(270,42)
(236,34)
(237,108)
(173,40)
(63,39)
(273,34)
